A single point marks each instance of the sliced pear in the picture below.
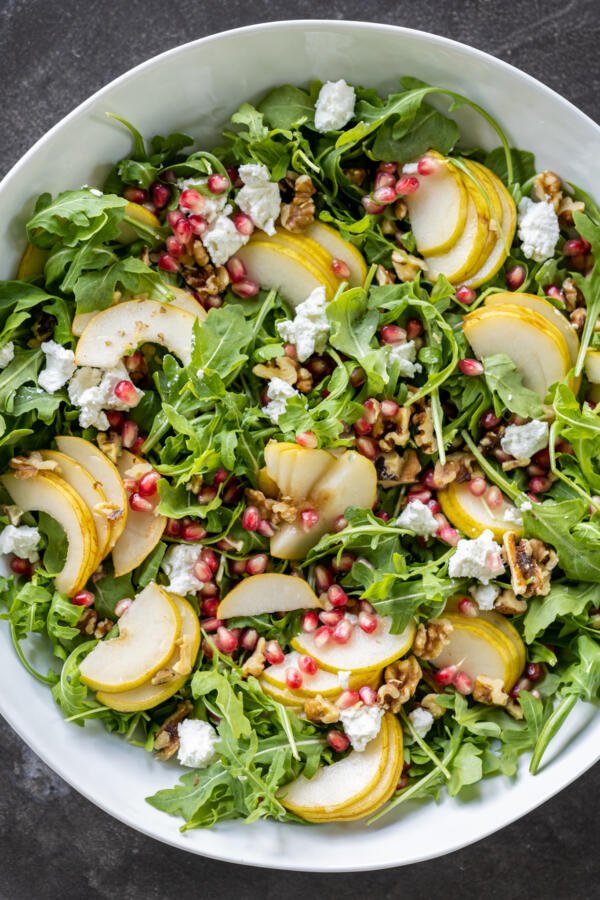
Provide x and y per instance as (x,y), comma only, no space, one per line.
(331,240)
(336,788)
(50,494)
(179,666)
(300,469)
(266,484)
(351,481)
(303,245)
(363,652)
(545,309)
(119,330)
(139,213)
(322,682)
(273,452)
(268,593)
(105,473)
(283,696)
(504,237)
(32,262)
(465,255)
(499,621)
(294,275)
(142,532)
(536,347)
(472,515)
(181,299)
(592,366)
(477,648)
(148,631)
(438,210)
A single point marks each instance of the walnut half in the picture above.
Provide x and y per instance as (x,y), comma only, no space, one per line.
(401,680)
(489,691)
(531,564)
(319,709)
(431,638)
(166,740)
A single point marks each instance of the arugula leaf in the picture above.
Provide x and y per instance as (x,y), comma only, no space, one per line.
(286,106)
(95,290)
(553,523)
(75,216)
(56,543)
(503,379)
(353,326)
(229,703)
(403,141)
(466,768)
(522,160)
(582,678)
(23,369)
(563,600)
(220,342)
(108,591)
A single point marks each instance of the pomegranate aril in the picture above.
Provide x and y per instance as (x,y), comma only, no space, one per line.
(209,607)
(362,426)
(489,420)
(122,606)
(202,571)
(470,367)
(237,566)
(323,578)
(389,409)
(514,277)
(210,558)
(463,683)
(265,528)
(339,524)
(340,269)
(197,225)
(445,676)
(331,617)
(384,179)
(368,695)
(465,294)
(384,195)
(371,207)
(427,165)
(246,288)
(347,699)
(342,632)
(434,506)
(139,503)
(173,528)
(168,263)
(191,199)
(133,363)
(449,535)
(257,564)
(468,607)
(250,518)
(542,458)
(343,563)
(243,223)
(408,184)
(174,246)
(539,484)
(125,392)
(310,622)
(523,684)
(323,635)
(226,640)
(115,419)
(338,741)
(390,167)
(414,328)
(307,665)
(135,194)
(309,518)
(366,446)
(554,291)
(137,445)
(129,434)
(210,590)
(494,498)
(478,486)
(576,246)
(236,269)
(148,484)
(83,598)
(367,622)
(392,334)
(337,596)
(307,439)
(218,184)
(160,193)
(249,639)
(193,532)
(274,654)
(534,671)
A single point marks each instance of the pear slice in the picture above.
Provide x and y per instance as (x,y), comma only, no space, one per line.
(438,210)
(283,696)
(294,275)
(273,453)
(301,469)
(536,347)
(477,648)
(504,236)
(351,481)
(303,245)
(148,631)
(545,309)
(31,264)
(269,593)
(363,652)
(331,240)
(592,366)
(176,671)
(119,330)
(50,494)
(322,682)
(142,532)
(181,299)
(105,473)
(139,213)
(498,621)
(335,788)
(465,255)
(472,515)
(266,484)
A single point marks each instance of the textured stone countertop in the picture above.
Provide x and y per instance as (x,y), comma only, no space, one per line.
(55,844)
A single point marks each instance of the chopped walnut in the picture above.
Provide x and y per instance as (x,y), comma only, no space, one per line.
(90,625)
(431,638)
(458,467)
(30,466)
(110,444)
(406,267)
(300,212)
(401,680)
(399,435)
(547,186)
(400,209)
(200,254)
(138,469)
(509,604)
(530,563)
(573,296)
(319,709)
(166,740)
(393,469)
(577,318)
(423,422)
(283,367)
(384,276)
(255,664)
(566,208)
(514,709)
(355,176)
(429,702)
(273,511)
(490,691)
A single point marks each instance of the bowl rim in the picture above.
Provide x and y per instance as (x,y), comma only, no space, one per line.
(561,782)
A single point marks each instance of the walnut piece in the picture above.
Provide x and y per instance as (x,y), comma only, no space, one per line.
(489,691)
(297,215)
(508,604)
(255,664)
(110,444)
(401,680)
(406,266)
(319,709)
(547,186)
(89,624)
(423,422)
(273,511)
(200,254)
(384,276)
(566,208)
(458,467)
(166,740)
(355,176)
(531,564)
(394,469)
(399,435)
(573,296)
(429,702)
(514,709)
(431,638)
(29,466)
(283,367)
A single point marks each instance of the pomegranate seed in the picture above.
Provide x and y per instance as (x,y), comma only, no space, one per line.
(135,194)
(174,246)
(494,498)
(342,632)
(322,635)
(478,486)
(339,524)
(427,165)
(226,640)
(290,350)
(554,291)
(384,195)
(427,479)
(218,184)
(463,683)
(408,184)
(542,458)
(384,179)
(249,639)
(331,617)
(246,288)
(338,741)
(465,294)
(115,419)
(337,596)
(207,650)
(365,606)
(309,518)
(130,485)
(323,578)
(273,653)
(168,263)
(576,246)
(366,446)
(265,528)
(209,607)
(392,334)
(363,427)
(468,607)
(523,684)
(236,269)
(211,591)
(367,622)
(539,485)
(234,176)
(534,671)
(173,528)
(137,445)
(174,216)
(489,420)
(191,199)
(445,676)
(514,277)
(202,571)
(434,506)
(390,167)
(449,535)
(343,563)
(340,269)
(243,223)
(160,193)
(237,566)
(193,532)
(83,598)
(372,208)
(347,699)
(122,606)
(389,409)
(368,695)
(357,377)
(125,391)
(148,484)
(257,564)
(182,230)
(196,224)
(307,439)
(207,493)
(307,665)
(250,518)
(310,622)
(134,362)
(210,558)
(414,328)
(470,367)
(372,409)
(139,503)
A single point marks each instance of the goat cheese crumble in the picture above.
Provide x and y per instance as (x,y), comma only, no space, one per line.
(479,558)
(484,595)
(278,392)
(421,720)
(513,516)
(418,518)
(7,354)
(197,741)
(259,198)
(223,240)
(405,355)
(335,106)
(523,441)
(538,229)
(361,724)
(177,564)
(21,540)
(60,366)
(93,391)
(309,329)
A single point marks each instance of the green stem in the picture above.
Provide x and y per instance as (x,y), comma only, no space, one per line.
(551,727)
(424,745)
(44,679)
(561,475)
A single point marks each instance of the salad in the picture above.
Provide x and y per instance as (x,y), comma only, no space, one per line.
(301,455)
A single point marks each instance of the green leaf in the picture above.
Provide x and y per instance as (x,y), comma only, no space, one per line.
(220,342)
(286,106)
(230,705)
(582,678)
(563,600)
(577,423)
(403,141)
(22,370)
(553,523)
(503,379)
(523,164)
(95,290)
(109,590)
(75,216)
(56,542)
(148,570)
(466,768)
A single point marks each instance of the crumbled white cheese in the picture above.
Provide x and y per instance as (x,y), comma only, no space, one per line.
(484,595)
(278,392)
(344,679)
(335,106)
(7,354)
(361,724)
(309,329)
(421,720)
(538,229)
(93,391)
(418,518)
(197,741)
(223,240)
(177,564)
(405,355)
(259,198)
(522,441)
(210,206)
(526,505)
(23,541)
(478,559)
(60,365)
(513,516)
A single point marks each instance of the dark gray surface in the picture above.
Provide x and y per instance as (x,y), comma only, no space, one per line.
(55,844)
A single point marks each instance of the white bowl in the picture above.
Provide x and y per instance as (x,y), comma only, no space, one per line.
(195,88)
